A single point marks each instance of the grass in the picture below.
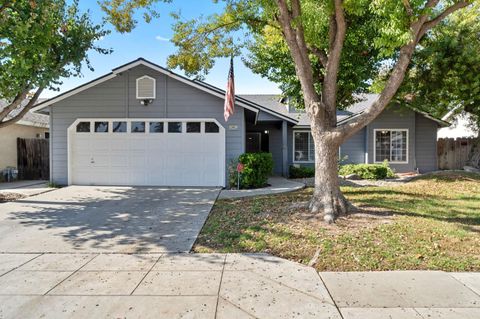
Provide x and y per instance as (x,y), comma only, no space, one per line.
(432,222)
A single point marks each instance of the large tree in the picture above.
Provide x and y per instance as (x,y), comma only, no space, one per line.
(323,39)
(40,42)
(444,77)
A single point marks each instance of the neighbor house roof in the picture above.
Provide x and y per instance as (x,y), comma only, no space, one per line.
(30,118)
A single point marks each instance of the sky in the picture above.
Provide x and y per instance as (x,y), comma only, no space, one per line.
(151,41)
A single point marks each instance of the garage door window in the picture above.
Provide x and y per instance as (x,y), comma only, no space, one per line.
(101,127)
(138,127)
(83,127)
(119,127)
(156,127)
(211,127)
(174,127)
(193,127)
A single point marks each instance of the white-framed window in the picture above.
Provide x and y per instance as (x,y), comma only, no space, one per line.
(390,145)
(146,87)
(303,147)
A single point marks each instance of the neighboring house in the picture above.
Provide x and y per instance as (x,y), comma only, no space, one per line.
(32,125)
(460,127)
(142,124)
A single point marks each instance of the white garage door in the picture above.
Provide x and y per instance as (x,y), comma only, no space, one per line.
(152,152)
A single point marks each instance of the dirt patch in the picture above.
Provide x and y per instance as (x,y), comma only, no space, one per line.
(10,197)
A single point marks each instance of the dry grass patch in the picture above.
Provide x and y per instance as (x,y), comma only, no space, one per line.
(430,223)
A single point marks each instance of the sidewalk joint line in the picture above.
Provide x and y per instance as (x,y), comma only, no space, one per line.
(146,274)
(15,268)
(62,281)
(220,283)
(328,290)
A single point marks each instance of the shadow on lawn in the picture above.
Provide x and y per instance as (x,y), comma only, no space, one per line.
(127,219)
(464,210)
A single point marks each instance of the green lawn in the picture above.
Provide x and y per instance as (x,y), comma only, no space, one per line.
(430,223)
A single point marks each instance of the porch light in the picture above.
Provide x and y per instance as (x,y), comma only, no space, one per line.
(267,132)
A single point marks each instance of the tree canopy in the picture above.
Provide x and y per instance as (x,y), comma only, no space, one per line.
(445,71)
(40,42)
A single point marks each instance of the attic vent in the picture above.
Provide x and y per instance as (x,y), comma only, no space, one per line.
(145,87)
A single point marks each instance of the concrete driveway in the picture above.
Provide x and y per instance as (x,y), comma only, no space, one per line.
(105,219)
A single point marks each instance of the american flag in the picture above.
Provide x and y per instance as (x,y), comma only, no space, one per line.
(229,94)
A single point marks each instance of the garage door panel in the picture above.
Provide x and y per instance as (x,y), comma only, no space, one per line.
(155,159)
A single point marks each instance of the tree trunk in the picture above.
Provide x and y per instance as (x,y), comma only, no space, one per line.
(327,196)
(474,156)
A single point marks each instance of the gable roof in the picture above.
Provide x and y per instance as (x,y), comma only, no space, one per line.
(30,118)
(274,102)
(252,106)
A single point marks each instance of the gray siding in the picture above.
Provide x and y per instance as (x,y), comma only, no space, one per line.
(354,148)
(426,144)
(395,117)
(116,98)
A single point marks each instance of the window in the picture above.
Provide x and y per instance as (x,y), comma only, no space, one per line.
(138,127)
(303,147)
(83,127)
(211,127)
(193,127)
(156,127)
(174,127)
(101,127)
(391,145)
(119,127)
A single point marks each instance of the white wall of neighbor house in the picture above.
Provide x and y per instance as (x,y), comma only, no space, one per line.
(8,141)
(116,98)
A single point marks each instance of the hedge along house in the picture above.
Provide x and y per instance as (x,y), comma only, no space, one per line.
(142,124)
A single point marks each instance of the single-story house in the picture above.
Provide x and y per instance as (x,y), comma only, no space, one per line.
(32,125)
(142,124)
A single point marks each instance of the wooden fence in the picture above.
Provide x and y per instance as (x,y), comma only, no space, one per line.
(32,158)
(453,153)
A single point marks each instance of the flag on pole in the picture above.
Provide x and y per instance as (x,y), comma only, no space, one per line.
(229,94)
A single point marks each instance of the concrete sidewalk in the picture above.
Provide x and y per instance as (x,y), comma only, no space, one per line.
(222,286)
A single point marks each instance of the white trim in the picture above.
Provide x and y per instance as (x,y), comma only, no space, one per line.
(71,130)
(154,88)
(133,64)
(293,147)
(73,92)
(375,146)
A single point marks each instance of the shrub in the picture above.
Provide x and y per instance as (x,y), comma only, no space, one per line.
(301,172)
(368,171)
(257,168)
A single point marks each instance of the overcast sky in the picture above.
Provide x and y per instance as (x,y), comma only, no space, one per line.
(151,41)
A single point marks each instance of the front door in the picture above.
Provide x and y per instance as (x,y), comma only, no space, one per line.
(254,142)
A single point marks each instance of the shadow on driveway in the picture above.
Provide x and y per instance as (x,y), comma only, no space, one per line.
(106,219)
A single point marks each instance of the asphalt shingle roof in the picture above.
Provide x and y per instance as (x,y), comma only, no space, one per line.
(30,118)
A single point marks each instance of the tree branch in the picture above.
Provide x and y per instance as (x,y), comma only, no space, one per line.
(449,10)
(24,111)
(335,52)
(320,54)
(398,74)
(298,49)
(408,8)
(15,103)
